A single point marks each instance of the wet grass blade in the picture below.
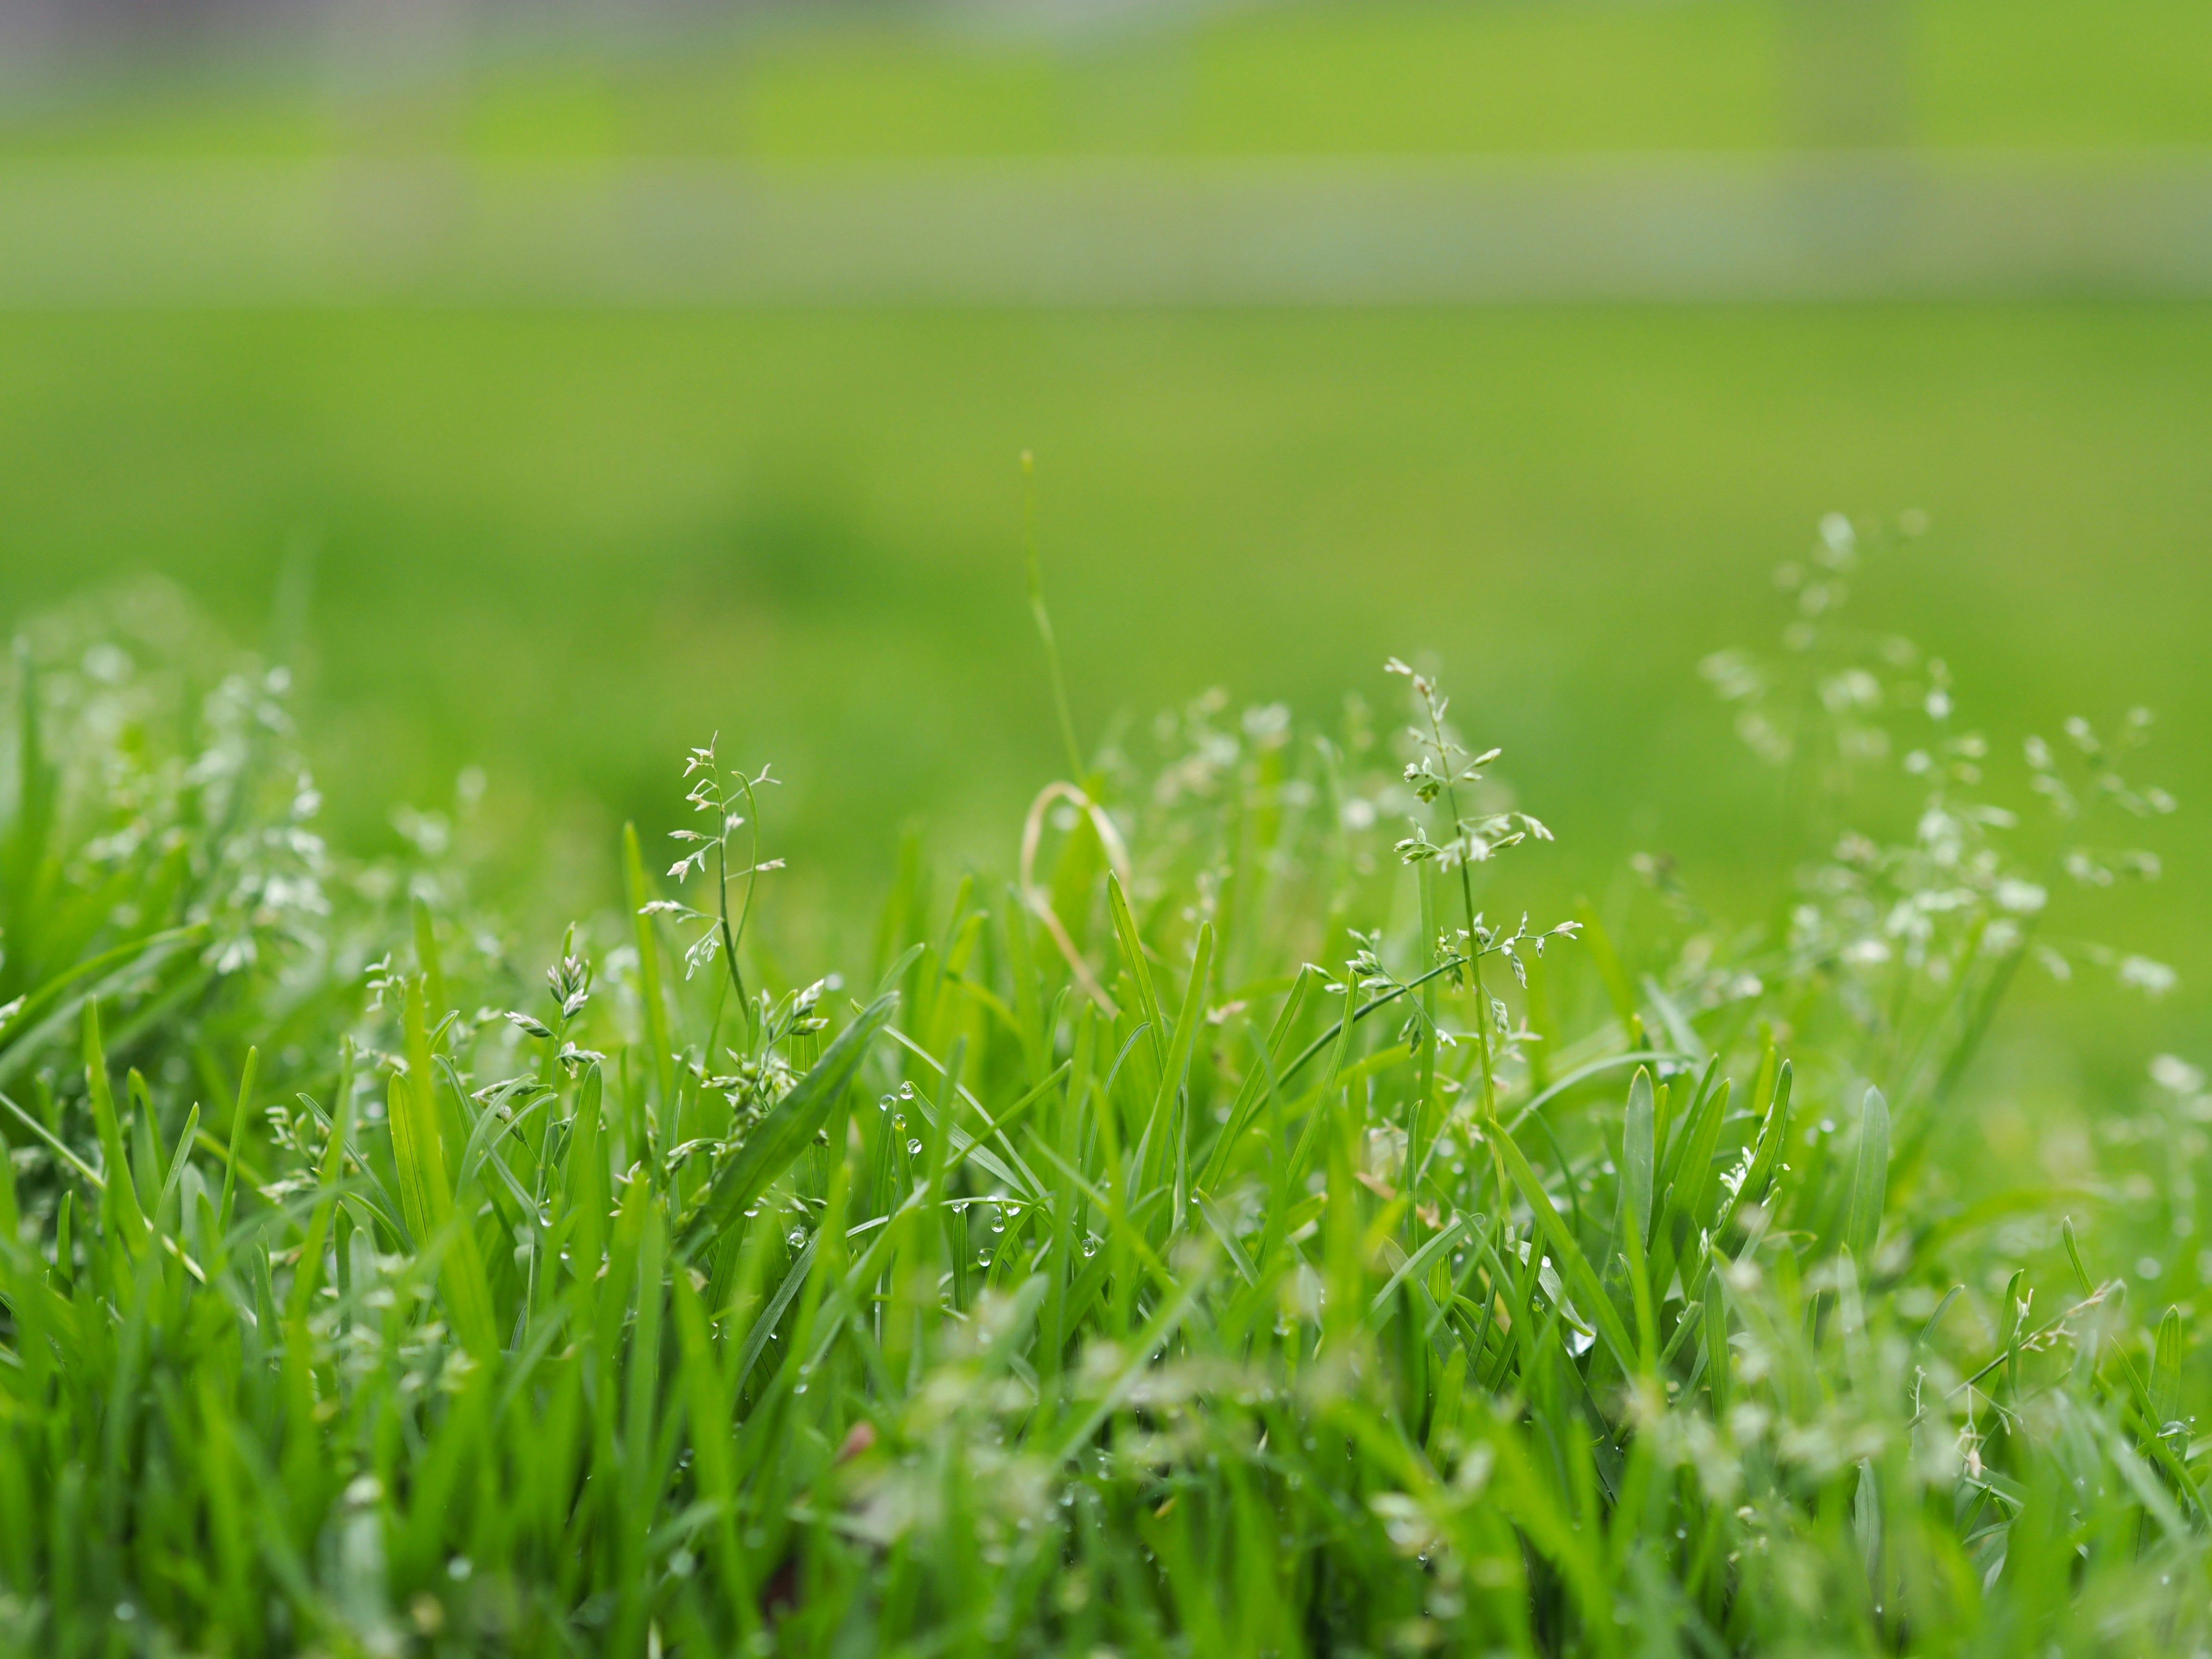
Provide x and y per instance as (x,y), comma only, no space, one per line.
(784,1132)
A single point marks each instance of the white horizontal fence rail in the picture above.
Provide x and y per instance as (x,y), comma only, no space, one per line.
(101,234)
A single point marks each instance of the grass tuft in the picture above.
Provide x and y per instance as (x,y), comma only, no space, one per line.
(1239,1236)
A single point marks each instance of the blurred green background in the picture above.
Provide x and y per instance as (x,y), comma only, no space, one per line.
(1033,77)
(565,543)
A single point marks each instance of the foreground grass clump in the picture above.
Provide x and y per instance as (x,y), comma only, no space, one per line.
(1231,1234)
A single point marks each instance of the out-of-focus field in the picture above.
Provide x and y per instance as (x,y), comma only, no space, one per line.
(1329,79)
(566,544)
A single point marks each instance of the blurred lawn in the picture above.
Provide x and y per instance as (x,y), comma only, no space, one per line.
(1380,76)
(568,544)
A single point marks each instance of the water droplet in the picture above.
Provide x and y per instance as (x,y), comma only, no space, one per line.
(1090,1247)
(914,1149)
(796,1238)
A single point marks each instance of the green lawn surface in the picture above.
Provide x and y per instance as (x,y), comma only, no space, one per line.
(1395,77)
(565,546)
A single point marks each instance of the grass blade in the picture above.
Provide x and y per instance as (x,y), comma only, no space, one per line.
(781,1136)
(1870,1180)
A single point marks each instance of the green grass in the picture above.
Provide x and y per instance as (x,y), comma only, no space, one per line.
(1220,1229)
(1507,77)
(357,1295)
(560,545)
